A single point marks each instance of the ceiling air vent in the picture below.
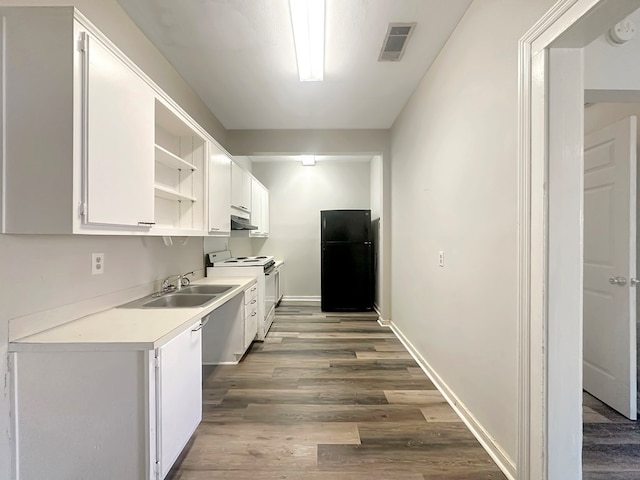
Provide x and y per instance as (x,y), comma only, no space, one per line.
(395,42)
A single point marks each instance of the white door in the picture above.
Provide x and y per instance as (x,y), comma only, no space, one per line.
(609,266)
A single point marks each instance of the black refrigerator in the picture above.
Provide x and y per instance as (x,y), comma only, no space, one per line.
(347,274)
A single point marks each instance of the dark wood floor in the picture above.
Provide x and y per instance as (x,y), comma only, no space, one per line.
(611,443)
(328,397)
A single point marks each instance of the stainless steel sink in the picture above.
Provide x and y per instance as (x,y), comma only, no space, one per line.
(177,300)
(172,300)
(206,289)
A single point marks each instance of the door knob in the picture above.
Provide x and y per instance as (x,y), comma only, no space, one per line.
(620,281)
(633,282)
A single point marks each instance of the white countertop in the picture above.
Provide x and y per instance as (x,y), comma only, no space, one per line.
(128,328)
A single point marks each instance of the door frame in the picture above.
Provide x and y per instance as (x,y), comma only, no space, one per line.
(550,163)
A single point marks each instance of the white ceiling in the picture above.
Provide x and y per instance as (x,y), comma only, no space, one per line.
(239,57)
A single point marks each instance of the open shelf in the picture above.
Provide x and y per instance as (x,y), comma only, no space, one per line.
(179,167)
(171,160)
(170,194)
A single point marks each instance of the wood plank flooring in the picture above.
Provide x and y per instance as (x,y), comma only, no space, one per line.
(328,396)
(610,444)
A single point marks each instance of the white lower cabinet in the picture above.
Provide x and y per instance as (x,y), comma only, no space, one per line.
(250,316)
(102,415)
(179,390)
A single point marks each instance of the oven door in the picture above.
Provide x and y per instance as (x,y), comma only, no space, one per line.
(269,297)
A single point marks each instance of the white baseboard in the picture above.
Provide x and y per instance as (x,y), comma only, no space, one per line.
(488,443)
(292,299)
(381,321)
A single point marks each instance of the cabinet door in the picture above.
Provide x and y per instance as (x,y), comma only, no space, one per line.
(256,208)
(265,212)
(240,188)
(219,192)
(118,139)
(250,326)
(259,209)
(179,394)
(246,188)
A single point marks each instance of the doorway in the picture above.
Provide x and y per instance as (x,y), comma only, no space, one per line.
(551,206)
(610,433)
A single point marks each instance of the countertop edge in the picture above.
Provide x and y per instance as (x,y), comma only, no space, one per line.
(26,345)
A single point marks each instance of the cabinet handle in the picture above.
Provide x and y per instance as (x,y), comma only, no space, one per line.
(253,289)
(213,229)
(199,327)
(253,301)
(146,223)
(254,314)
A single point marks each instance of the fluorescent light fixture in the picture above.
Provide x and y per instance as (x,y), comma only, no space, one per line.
(307,19)
(308,160)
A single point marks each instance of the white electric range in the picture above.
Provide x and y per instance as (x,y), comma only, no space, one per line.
(222,264)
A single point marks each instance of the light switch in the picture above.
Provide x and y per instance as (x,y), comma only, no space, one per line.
(441,258)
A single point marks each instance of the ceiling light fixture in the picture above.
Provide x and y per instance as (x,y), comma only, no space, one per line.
(308,160)
(307,19)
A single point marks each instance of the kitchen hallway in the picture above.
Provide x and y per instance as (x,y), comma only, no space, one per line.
(328,396)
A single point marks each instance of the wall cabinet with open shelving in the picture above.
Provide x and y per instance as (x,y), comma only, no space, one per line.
(114,154)
(179,179)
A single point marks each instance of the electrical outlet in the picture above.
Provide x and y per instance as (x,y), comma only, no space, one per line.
(97,263)
(441,258)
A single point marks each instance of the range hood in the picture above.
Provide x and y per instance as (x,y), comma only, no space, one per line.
(239,223)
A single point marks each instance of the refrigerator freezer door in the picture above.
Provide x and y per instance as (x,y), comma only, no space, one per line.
(345,226)
(347,277)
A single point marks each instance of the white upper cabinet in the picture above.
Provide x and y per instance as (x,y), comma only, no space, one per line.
(265,212)
(92,145)
(240,191)
(259,209)
(78,131)
(219,192)
(117,139)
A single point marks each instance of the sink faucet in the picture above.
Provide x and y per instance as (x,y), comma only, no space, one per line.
(180,279)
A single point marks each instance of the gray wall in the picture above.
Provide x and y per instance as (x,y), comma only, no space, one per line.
(296,196)
(58,268)
(454,178)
